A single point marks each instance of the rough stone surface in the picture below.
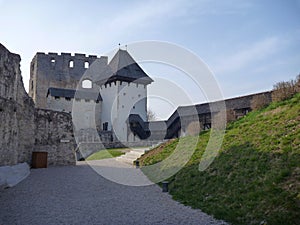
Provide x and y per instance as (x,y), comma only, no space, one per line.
(16,112)
(55,136)
(78,195)
(53,70)
(23,128)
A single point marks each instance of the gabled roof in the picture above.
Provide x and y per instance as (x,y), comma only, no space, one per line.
(70,93)
(124,68)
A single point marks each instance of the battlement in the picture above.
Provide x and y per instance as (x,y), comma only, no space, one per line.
(61,70)
(69,57)
(63,66)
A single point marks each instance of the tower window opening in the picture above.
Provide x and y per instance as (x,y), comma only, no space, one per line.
(52,62)
(86,65)
(71,64)
(87,84)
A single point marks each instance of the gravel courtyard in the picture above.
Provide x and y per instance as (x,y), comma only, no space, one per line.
(78,195)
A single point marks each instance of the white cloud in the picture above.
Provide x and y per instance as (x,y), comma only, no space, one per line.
(134,19)
(245,57)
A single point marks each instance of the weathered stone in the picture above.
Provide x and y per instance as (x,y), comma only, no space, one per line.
(23,128)
(16,112)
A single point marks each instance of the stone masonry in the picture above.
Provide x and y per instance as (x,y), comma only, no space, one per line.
(26,125)
(24,128)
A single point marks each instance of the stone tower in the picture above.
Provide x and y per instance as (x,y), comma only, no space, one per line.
(106,92)
(57,71)
(124,92)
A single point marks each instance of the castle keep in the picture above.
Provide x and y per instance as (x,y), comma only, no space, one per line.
(103,93)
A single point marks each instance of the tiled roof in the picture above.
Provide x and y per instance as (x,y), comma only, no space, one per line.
(123,67)
(70,93)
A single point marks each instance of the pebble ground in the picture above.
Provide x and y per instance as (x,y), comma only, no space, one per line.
(78,195)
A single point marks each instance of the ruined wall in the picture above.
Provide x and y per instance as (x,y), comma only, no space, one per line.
(55,136)
(60,71)
(24,129)
(16,112)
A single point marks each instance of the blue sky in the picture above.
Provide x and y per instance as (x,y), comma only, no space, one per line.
(249,45)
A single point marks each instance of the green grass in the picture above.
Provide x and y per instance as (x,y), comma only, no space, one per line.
(105,154)
(255,177)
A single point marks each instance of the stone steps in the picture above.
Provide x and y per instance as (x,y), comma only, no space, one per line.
(131,156)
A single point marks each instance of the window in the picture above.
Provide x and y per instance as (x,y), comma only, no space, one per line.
(68,99)
(53,62)
(87,84)
(56,97)
(71,64)
(133,107)
(105,126)
(86,65)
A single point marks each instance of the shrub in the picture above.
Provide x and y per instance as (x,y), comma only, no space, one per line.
(297,84)
(283,90)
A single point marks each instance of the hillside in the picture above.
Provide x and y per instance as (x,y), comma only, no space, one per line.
(256,177)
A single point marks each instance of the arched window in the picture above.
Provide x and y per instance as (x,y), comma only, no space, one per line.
(71,64)
(86,65)
(53,62)
(87,84)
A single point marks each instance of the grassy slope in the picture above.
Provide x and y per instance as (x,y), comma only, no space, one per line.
(256,176)
(105,154)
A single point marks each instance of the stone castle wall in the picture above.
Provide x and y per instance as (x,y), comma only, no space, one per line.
(23,128)
(54,70)
(55,136)
(16,112)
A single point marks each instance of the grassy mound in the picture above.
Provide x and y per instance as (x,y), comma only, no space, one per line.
(256,177)
(105,154)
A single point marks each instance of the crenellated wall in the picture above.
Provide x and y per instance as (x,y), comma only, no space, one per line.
(58,70)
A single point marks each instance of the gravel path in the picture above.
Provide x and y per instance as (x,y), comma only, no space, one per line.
(78,195)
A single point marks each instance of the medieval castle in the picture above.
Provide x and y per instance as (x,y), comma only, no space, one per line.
(79,99)
(101,93)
